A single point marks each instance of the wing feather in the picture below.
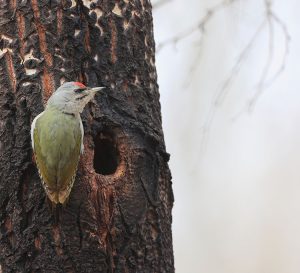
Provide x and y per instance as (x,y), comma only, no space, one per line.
(57,142)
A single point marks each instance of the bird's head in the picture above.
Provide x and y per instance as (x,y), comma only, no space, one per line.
(71,97)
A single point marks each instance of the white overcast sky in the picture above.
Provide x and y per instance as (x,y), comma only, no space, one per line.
(236,175)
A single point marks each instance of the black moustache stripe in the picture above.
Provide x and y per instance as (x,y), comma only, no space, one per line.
(82,97)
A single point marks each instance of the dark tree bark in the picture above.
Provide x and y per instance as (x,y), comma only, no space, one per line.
(118,217)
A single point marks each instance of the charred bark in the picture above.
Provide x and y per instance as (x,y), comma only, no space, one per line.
(118,217)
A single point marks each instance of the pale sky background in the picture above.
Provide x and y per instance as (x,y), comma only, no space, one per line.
(236,174)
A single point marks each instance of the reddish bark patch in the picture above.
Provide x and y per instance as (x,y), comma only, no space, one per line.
(87,41)
(41,33)
(12,239)
(154,232)
(8,224)
(13,4)
(48,84)
(47,78)
(21,31)
(113,41)
(38,243)
(11,236)
(59,20)
(11,71)
(104,200)
(57,240)
(82,77)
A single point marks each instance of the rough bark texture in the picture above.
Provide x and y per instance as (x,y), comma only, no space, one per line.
(118,217)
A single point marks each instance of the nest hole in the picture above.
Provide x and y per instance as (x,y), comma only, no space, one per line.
(106,154)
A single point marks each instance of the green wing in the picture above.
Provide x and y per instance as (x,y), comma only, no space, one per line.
(57,142)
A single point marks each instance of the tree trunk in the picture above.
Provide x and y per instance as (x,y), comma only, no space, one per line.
(118,217)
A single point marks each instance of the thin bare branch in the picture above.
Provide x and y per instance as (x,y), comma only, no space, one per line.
(222,93)
(200,26)
(195,63)
(264,75)
(287,38)
(264,82)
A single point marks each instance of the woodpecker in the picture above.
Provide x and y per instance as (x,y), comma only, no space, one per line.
(57,138)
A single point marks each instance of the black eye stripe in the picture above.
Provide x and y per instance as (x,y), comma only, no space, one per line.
(79,90)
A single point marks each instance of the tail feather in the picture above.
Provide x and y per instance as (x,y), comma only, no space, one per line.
(59,195)
(63,195)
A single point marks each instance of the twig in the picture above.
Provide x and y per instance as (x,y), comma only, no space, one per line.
(286,53)
(260,86)
(264,82)
(222,93)
(200,26)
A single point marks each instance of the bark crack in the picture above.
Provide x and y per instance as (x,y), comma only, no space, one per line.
(150,199)
(47,77)
(78,220)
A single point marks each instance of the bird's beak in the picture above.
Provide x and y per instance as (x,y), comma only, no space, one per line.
(96,89)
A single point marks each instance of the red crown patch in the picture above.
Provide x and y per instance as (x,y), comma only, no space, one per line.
(81,85)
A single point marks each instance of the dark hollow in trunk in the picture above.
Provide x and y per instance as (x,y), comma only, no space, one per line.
(118,217)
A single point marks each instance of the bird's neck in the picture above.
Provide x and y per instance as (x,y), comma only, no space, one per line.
(63,110)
